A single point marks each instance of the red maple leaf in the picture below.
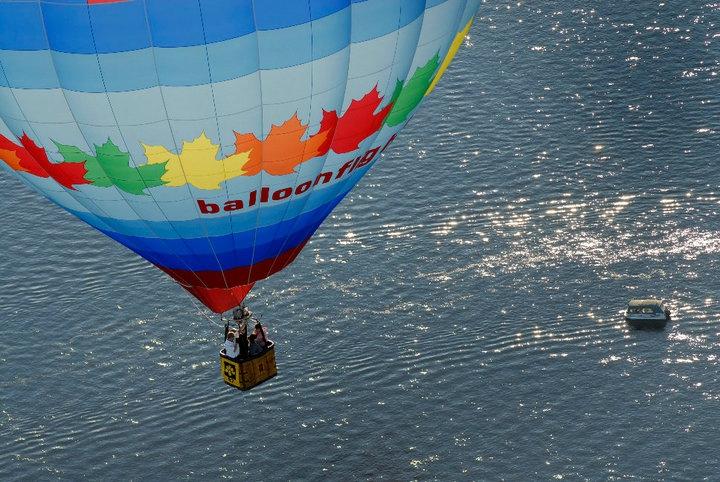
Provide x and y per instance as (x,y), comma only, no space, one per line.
(359,122)
(67,174)
(31,158)
(328,126)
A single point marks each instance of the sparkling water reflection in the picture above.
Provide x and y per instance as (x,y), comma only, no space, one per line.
(459,316)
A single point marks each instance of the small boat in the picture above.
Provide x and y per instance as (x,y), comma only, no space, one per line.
(648,313)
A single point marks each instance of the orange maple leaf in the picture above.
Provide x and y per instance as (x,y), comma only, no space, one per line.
(17,157)
(11,159)
(283,149)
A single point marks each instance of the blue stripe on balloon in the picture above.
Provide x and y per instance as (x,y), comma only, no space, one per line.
(231,250)
(188,66)
(375,19)
(216,225)
(75,27)
(34,70)
(21,26)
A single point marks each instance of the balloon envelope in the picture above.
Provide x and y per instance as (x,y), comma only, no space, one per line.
(213,137)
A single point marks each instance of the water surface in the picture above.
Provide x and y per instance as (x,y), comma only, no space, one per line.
(458,317)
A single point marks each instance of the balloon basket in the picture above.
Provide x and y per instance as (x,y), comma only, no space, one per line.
(248,373)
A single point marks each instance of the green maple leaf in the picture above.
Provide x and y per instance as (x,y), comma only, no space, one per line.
(116,164)
(413,92)
(111,167)
(94,174)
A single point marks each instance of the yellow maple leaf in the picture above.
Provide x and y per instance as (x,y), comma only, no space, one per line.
(197,164)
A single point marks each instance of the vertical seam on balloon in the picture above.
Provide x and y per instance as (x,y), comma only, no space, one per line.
(309,195)
(410,71)
(262,130)
(456,31)
(297,173)
(177,149)
(460,26)
(392,69)
(220,147)
(124,141)
(102,78)
(198,218)
(62,90)
(390,83)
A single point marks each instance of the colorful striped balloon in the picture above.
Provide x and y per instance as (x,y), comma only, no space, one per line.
(213,137)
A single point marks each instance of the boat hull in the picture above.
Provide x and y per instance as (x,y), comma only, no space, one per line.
(647,324)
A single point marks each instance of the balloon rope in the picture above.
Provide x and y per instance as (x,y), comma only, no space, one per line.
(202,311)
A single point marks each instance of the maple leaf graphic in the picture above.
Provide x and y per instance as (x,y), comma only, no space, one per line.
(413,92)
(111,167)
(283,149)
(197,164)
(360,120)
(12,154)
(32,159)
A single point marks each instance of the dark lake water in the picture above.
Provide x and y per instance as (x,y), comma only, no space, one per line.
(458,317)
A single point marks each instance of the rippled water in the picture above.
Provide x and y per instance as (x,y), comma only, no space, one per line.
(458,316)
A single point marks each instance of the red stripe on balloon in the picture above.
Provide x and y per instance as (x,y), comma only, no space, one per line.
(241,275)
(220,300)
(221,290)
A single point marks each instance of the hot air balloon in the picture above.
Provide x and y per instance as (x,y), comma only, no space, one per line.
(213,137)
